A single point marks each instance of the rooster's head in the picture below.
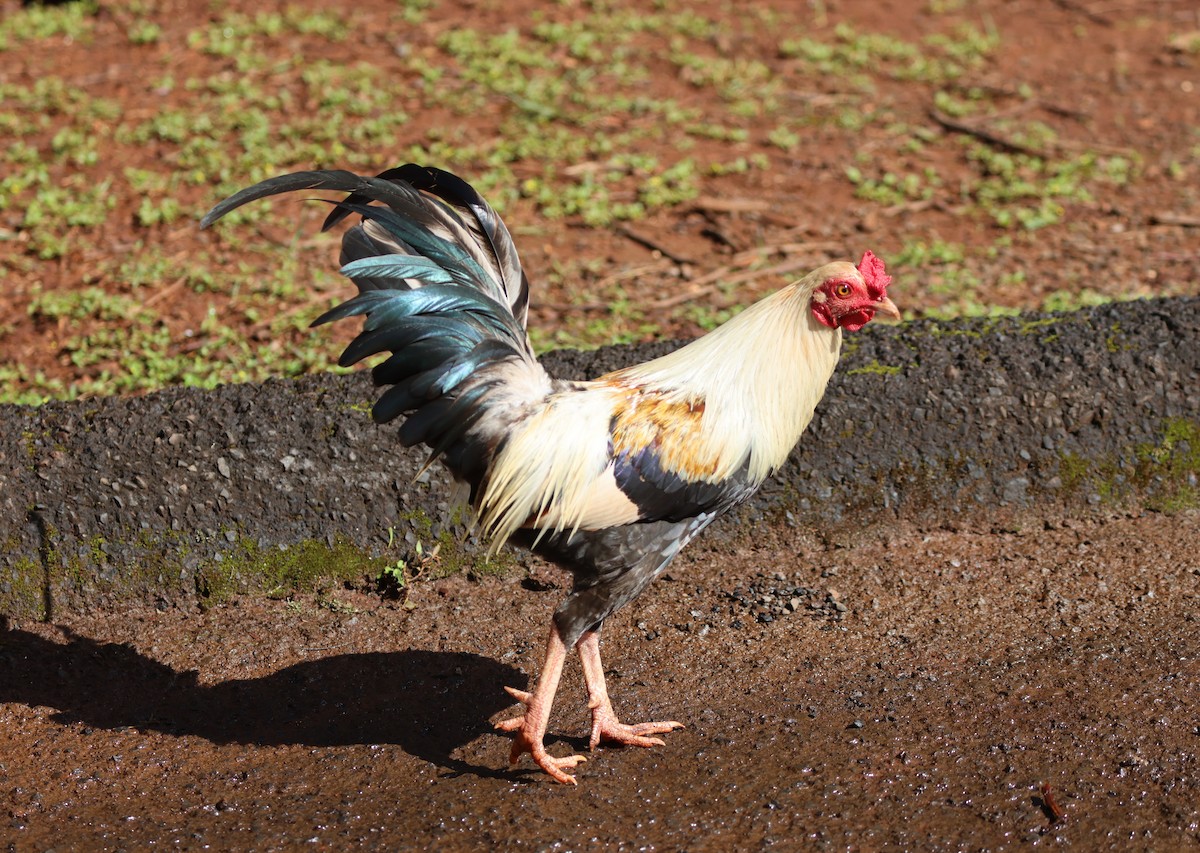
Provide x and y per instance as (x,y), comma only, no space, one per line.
(851,299)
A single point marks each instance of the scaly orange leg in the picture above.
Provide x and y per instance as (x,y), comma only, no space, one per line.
(530,727)
(605,725)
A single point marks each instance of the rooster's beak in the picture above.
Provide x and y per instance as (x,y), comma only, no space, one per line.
(887,308)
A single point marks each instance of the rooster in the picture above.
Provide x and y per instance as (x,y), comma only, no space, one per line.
(608,478)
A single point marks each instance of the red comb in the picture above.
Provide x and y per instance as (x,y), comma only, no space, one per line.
(871,269)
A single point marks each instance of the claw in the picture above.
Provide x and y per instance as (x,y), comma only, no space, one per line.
(529,729)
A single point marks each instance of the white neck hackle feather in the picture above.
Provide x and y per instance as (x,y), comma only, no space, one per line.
(759,376)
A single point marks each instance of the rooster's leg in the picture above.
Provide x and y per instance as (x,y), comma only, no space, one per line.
(605,725)
(530,727)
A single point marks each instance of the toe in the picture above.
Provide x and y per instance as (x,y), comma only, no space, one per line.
(510,725)
(554,767)
(630,735)
(655,728)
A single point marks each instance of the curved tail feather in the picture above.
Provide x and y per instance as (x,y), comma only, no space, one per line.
(442,289)
(428,210)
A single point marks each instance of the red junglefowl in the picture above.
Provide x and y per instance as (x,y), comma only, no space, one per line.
(608,478)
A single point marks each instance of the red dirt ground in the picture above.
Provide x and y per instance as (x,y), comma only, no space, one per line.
(1116,78)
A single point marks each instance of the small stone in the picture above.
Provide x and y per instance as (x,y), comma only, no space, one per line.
(1014,490)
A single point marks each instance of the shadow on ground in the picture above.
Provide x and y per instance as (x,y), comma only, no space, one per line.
(427,702)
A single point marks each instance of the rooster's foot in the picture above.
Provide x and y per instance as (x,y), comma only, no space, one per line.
(528,737)
(606,728)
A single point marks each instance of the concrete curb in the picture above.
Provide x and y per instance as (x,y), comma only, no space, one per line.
(187,493)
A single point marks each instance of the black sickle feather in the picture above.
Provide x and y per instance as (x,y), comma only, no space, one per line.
(332,179)
(390,175)
(452,217)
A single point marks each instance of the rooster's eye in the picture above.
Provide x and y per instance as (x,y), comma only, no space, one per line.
(842,290)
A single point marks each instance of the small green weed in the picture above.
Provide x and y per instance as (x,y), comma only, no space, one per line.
(36,22)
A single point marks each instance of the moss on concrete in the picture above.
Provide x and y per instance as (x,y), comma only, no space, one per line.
(451,555)
(874,368)
(1164,473)
(21,589)
(303,567)
(1173,464)
(244,566)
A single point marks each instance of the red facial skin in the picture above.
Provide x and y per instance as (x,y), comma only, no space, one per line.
(850,303)
(846,304)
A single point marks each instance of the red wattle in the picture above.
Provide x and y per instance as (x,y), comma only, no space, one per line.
(821,311)
(855,320)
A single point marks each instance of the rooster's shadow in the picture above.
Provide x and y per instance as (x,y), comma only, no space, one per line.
(428,703)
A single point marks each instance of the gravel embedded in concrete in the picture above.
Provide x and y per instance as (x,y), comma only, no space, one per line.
(115,497)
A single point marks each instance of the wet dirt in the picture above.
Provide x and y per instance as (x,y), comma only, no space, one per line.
(915,690)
